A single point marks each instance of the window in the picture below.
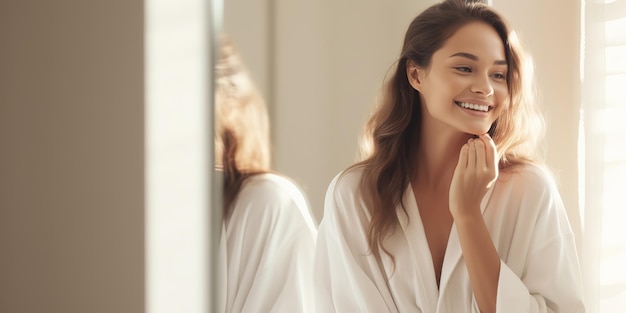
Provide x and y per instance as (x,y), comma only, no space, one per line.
(603,154)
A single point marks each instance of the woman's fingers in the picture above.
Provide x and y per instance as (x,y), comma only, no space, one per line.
(491,157)
(490,150)
(471,153)
(481,162)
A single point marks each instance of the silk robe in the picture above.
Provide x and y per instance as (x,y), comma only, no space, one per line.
(524,214)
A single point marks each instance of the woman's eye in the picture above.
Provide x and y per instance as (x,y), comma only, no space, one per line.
(499,76)
(464,69)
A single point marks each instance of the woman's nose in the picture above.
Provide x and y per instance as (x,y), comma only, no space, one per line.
(482,85)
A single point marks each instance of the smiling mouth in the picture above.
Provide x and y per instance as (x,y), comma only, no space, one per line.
(473,106)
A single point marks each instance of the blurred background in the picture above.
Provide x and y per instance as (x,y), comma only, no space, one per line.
(105,119)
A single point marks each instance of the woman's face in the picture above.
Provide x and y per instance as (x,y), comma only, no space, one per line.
(464,88)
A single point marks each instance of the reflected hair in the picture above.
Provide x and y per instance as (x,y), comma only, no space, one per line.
(242,126)
(390,134)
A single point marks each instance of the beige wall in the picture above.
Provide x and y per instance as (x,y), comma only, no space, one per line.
(330,60)
(71,156)
(248,23)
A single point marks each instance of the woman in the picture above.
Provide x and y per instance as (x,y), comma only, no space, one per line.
(268,238)
(450,210)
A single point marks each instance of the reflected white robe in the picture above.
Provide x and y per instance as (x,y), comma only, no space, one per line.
(528,225)
(267,249)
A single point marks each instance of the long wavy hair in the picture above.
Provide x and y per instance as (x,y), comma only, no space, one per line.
(242,147)
(393,129)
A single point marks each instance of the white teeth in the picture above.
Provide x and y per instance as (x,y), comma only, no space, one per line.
(475,107)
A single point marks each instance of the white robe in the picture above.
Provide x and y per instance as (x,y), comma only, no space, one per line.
(539,270)
(267,249)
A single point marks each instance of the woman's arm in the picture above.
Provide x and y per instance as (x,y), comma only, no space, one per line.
(542,273)
(476,171)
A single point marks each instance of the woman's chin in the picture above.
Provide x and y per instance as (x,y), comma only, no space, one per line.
(477,131)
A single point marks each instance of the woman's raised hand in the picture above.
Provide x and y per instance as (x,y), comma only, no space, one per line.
(475,173)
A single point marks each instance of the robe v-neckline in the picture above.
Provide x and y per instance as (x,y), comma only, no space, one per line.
(413,228)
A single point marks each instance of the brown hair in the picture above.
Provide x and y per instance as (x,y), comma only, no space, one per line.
(394,126)
(242,126)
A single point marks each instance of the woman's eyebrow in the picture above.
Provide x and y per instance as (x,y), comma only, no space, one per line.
(475,58)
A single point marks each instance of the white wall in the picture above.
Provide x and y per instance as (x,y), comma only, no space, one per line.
(71,156)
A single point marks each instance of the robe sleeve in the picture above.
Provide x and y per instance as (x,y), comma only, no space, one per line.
(270,246)
(346,279)
(546,276)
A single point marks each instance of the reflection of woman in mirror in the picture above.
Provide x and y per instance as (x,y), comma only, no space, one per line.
(268,240)
(450,209)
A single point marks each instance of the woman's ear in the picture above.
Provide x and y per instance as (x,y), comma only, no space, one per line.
(413,74)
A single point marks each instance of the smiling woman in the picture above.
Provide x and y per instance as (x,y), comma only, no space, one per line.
(440,217)
(483,68)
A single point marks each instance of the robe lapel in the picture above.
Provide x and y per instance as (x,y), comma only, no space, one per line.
(413,229)
(451,259)
(453,251)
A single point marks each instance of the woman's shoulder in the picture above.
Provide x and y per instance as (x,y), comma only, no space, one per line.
(527,181)
(344,198)
(347,180)
(271,186)
(272,194)
(270,181)
(529,173)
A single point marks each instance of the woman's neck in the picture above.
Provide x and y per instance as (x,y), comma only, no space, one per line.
(436,157)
